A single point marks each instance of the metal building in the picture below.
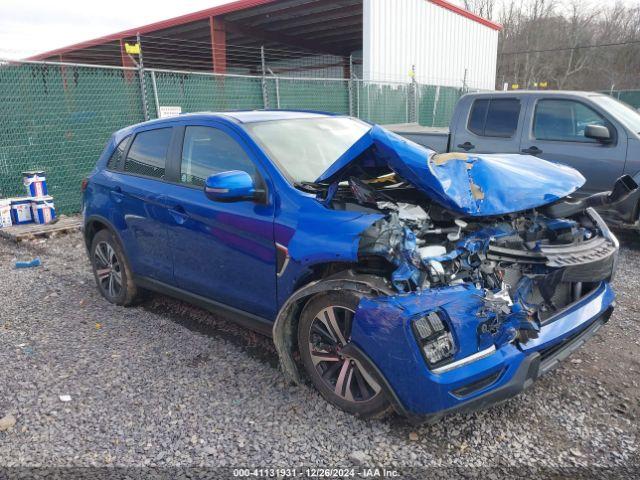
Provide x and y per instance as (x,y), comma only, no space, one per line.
(433,41)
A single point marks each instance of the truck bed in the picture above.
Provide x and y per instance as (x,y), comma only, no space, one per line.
(435,138)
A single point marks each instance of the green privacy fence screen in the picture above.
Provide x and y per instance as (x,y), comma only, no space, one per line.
(58,117)
(631,97)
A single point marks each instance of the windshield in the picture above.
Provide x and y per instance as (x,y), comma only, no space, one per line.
(622,111)
(304,148)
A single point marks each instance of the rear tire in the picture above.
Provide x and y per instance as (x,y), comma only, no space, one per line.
(323,331)
(111,269)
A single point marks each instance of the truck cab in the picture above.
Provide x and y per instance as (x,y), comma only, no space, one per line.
(591,132)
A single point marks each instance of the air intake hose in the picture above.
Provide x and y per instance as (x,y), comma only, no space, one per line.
(622,189)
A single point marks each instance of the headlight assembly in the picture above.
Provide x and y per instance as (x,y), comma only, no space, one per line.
(434,336)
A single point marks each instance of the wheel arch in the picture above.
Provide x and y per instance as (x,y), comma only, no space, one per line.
(93,225)
(286,324)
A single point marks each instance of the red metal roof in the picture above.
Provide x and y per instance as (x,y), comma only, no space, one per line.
(467,14)
(221,10)
(152,27)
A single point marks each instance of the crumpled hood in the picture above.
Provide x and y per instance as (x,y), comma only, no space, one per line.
(469,184)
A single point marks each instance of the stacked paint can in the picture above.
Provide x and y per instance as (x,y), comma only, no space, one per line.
(5,212)
(41,203)
(36,207)
(35,182)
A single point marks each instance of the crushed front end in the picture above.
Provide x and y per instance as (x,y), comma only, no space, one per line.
(497,273)
(483,306)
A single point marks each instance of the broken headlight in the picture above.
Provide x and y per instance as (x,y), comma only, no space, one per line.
(435,338)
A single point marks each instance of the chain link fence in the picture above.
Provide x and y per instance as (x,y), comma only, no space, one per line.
(58,117)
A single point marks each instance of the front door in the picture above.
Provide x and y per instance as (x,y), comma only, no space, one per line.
(224,251)
(556,133)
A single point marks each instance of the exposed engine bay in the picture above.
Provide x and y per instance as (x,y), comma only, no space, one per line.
(528,264)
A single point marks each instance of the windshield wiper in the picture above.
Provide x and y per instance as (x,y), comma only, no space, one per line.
(311,186)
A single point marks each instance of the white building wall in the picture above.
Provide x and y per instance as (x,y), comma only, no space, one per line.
(439,42)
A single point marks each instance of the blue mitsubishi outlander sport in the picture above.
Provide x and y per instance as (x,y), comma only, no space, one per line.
(389,276)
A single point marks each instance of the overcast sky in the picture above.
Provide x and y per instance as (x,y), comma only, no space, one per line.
(33,26)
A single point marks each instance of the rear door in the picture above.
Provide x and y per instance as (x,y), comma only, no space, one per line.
(138,201)
(490,126)
(224,251)
(555,131)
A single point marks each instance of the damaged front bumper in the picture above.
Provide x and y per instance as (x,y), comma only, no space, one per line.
(383,334)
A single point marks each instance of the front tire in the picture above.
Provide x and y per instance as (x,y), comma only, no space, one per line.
(323,332)
(111,270)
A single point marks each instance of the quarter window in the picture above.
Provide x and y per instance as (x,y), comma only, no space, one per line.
(115,160)
(207,151)
(148,153)
(494,117)
(564,120)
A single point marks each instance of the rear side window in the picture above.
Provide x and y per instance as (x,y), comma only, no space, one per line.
(494,117)
(207,151)
(148,153)
(115,161)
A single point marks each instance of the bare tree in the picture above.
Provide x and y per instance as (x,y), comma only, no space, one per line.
(568,44)
(484,8)
(577,32)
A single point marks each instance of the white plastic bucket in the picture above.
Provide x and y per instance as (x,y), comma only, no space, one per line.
(5,213)
(21,210)
(43,210)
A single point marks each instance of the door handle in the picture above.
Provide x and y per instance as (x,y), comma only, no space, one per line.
(116,195)
(179,214)
(532,150)
(466,146)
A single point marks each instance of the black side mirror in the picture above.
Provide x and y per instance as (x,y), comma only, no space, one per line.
(598,132)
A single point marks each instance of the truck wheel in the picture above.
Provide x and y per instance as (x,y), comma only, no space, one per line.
(111,269)
(324,330)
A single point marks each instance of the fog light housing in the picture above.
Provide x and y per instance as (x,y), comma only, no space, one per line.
(435,338)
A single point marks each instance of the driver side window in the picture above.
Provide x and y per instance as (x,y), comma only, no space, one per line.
(564,120)
(207,151)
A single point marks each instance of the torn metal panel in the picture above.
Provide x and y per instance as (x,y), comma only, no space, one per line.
(471,185)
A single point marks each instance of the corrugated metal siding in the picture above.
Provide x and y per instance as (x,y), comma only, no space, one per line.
(440,43)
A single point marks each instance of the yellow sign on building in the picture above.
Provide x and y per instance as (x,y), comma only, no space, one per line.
(132,49)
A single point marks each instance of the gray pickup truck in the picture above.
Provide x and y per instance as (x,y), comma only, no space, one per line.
(592,132)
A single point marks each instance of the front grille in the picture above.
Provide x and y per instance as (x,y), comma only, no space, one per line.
(562,296)
(589,261)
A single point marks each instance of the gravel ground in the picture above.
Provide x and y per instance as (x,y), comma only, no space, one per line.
(167,384)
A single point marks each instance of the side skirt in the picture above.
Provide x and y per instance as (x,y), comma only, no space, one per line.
(245,319)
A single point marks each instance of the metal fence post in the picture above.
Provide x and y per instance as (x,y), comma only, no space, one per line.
(277,84)
(143,86)
(416,98)
(358,98)
(350,85)
(435,106)
(265,93)
(155,92)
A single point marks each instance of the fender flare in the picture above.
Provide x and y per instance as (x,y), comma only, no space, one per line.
(285,326)
(108,225)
